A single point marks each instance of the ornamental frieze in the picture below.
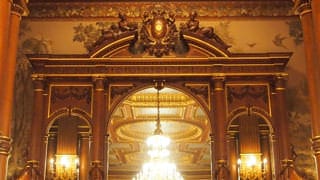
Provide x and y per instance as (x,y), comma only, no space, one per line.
(70,97)
(133,9)
(255,95)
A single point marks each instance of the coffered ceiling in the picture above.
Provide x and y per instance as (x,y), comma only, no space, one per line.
(182,119)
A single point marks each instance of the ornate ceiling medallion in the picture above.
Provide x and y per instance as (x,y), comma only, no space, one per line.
(158,35)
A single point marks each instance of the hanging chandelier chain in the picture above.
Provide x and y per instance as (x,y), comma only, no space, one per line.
(158,111)
(159,85)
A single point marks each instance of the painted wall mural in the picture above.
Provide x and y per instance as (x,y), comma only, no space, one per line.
(74,37)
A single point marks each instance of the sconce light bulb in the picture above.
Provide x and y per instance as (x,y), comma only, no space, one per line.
(51,160)
(265,161)
(239,161)
(76,161)
(252,161)
(65,161)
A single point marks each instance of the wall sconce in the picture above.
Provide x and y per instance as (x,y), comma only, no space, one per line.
(64,167)
(251,167)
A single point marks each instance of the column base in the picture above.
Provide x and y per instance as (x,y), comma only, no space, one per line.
(288,171)
(30,171)
(5,148)
(316,152)
(96,172)
(222,172)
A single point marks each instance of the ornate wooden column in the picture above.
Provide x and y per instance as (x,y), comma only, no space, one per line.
(98,130)
(218,124)
(107,144)
(32,169)
(84,156)
(233,155)
(5,6)
(265,150)
(281,117)
(9,29)
(310,26)
(51,152)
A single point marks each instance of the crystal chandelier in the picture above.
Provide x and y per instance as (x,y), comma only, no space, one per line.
(159,167)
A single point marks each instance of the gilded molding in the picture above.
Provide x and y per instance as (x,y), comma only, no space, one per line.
(210,9)
(5,145)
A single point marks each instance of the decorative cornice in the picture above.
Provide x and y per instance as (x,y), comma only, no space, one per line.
(207,9)
(148,67)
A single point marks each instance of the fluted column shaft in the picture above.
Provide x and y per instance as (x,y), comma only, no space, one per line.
(233,156)
(282,117)
(218,109)
(98,126)
(84,157)
(265,149)
(310,20)
(9,28)
(37,121)
(51,152)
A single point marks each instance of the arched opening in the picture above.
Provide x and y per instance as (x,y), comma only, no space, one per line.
(182,119)
(206,83)
(68,148)
(250,146)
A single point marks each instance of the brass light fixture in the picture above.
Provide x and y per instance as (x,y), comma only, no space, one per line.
(158,167)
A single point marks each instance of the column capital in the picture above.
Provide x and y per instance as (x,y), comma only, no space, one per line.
(286,163)
(316,145)
(98,77)
(231,136)
(99,82)
(5,145)
(211,138)
(302,7)
(38,83)
(218,83)
(264,135)
(84,136)
(17,10)
(280,82)
(20,7)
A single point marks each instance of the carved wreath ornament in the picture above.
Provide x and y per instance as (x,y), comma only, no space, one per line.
(158,34)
